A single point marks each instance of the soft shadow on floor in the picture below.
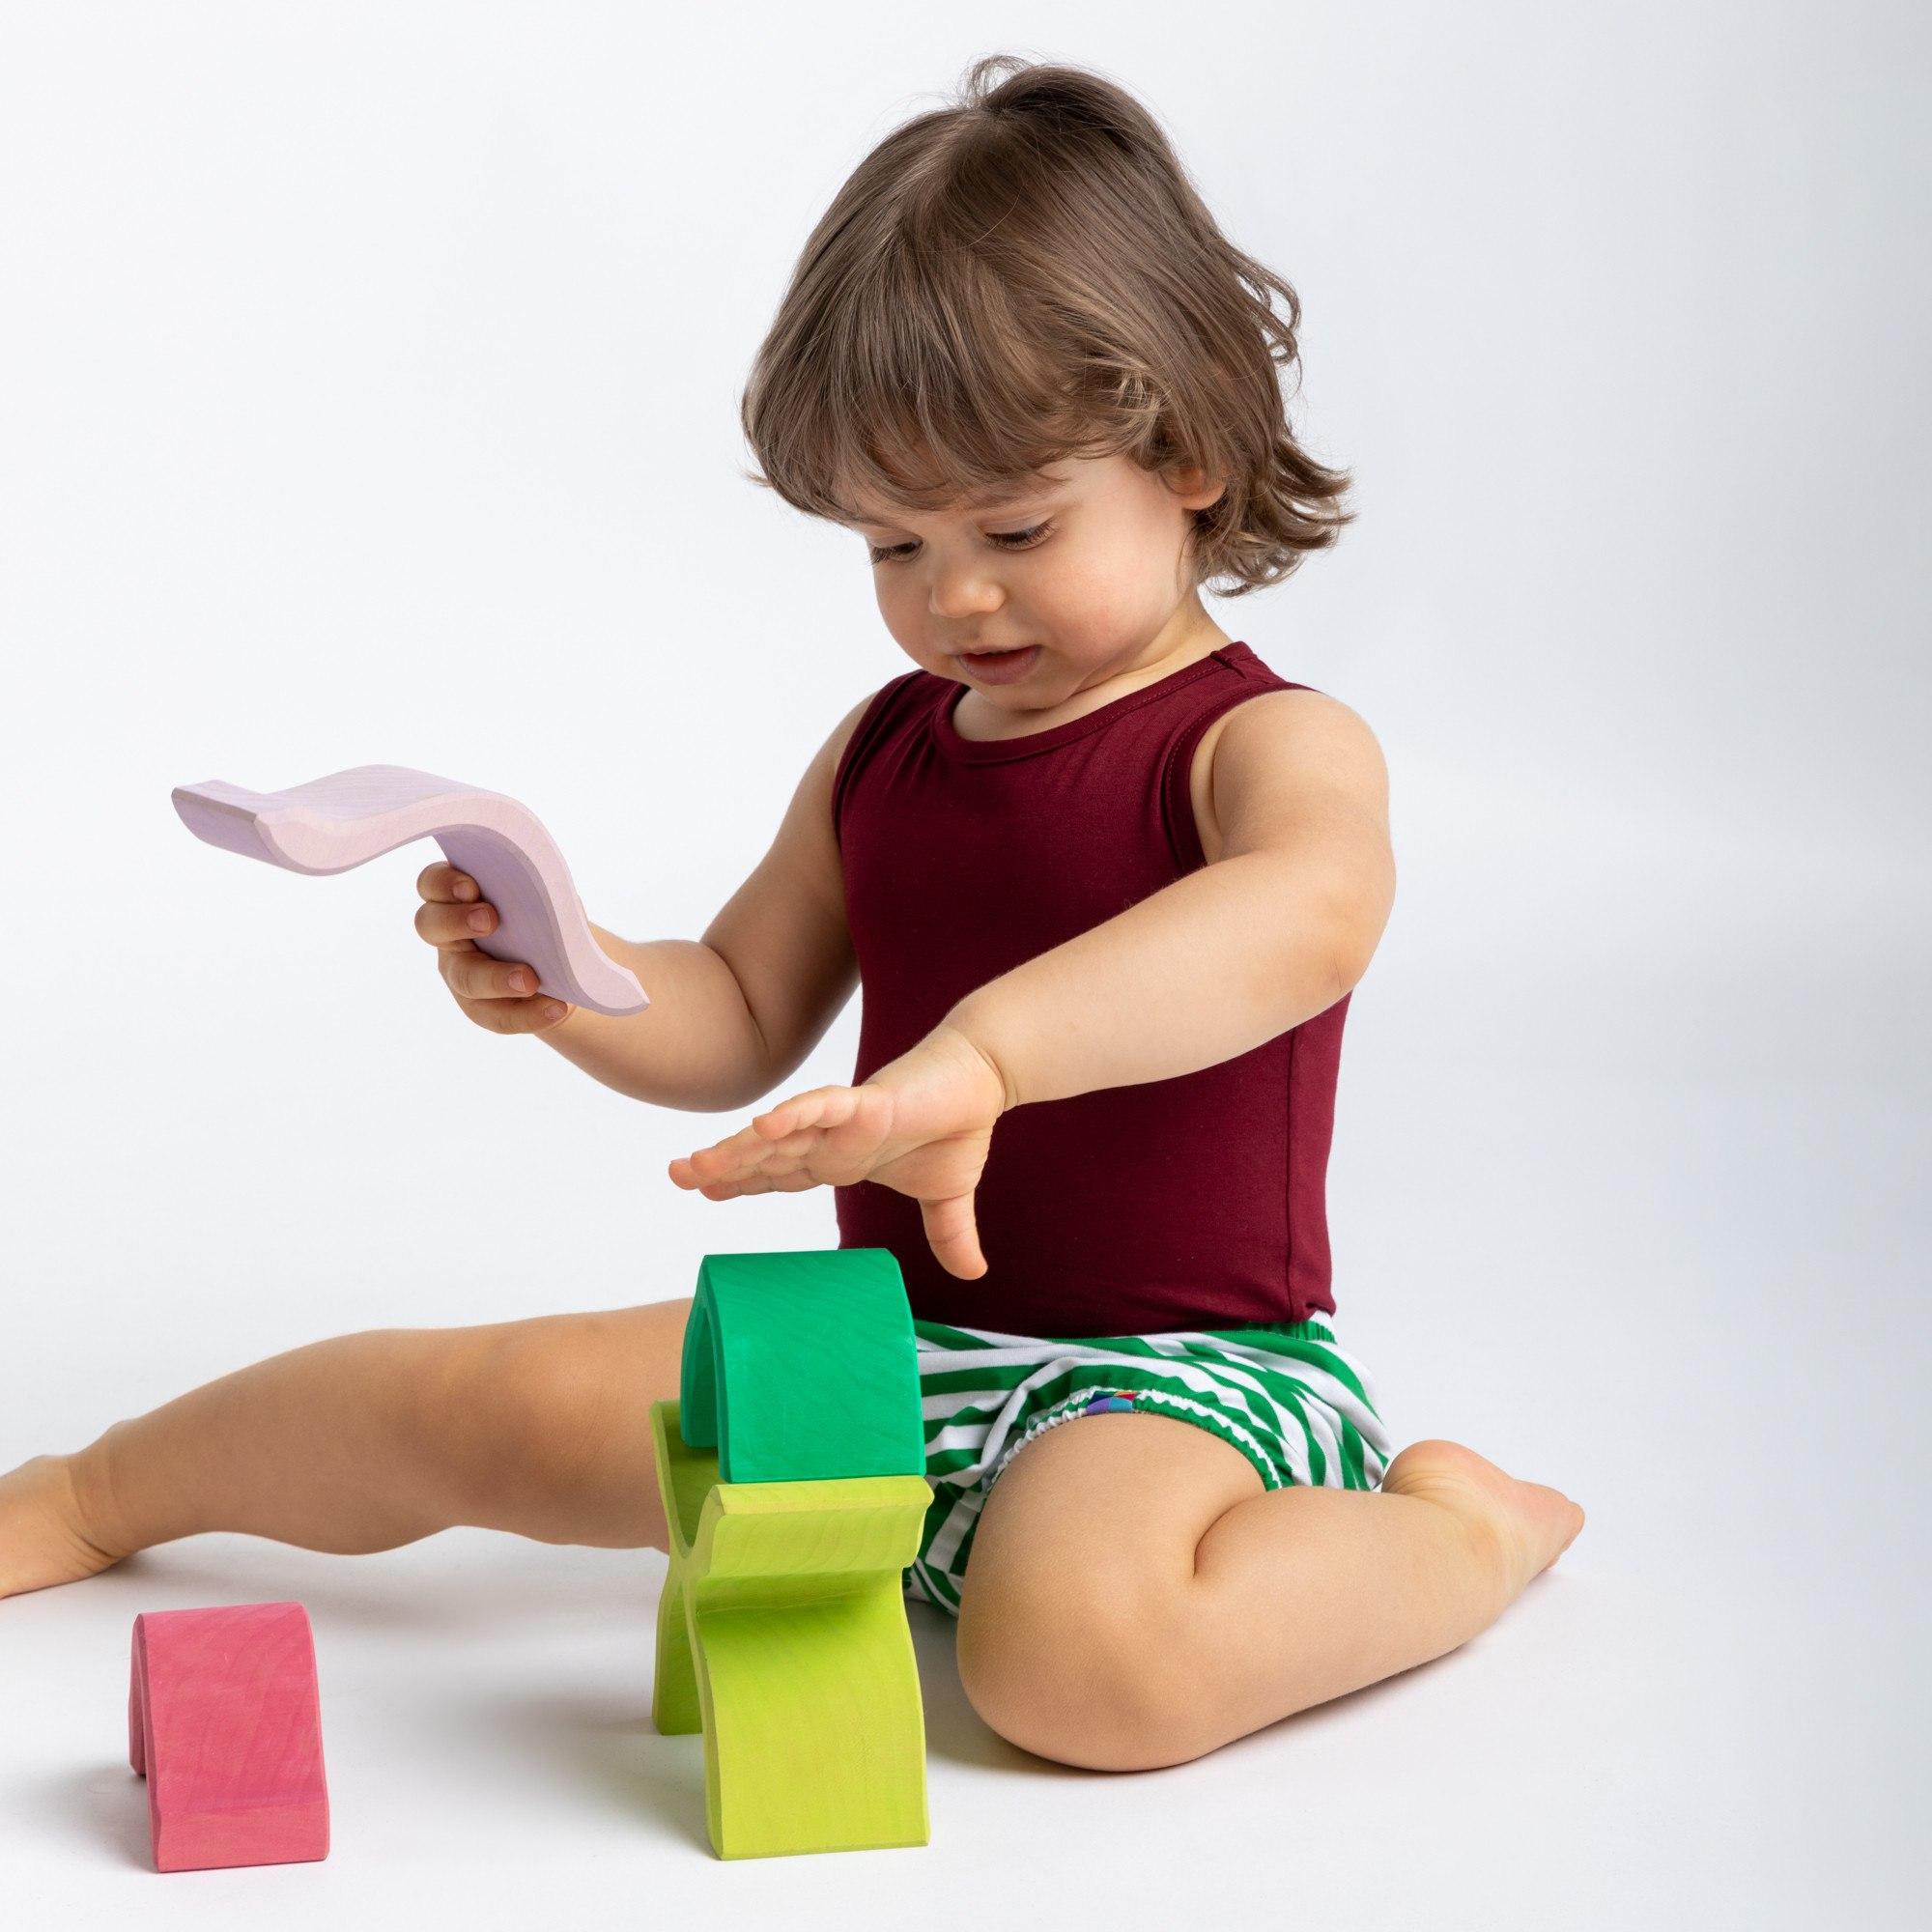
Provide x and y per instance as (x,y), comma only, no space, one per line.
(605,1746)
(460,1583)
(101,1807)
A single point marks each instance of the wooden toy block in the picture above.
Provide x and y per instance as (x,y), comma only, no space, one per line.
(225,1724)
(817,1350)
(333,824)
(781,1628)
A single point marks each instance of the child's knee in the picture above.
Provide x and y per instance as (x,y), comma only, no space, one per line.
(554,1419)
(1067,1671)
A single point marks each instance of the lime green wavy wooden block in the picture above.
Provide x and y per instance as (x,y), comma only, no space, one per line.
(782,1636)
(792,1473)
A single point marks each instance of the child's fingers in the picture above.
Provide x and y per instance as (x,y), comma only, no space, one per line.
(777,1149)
(705,1167)
(794,1148)
(534,1016)
(443,923)
(738,1167)
(445,884)
(735,1160)
(750,1146)
(821,1107)
(789,1183)
(476,976)
(500,995)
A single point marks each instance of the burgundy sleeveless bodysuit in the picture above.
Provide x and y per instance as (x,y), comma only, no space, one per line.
(1196,1201)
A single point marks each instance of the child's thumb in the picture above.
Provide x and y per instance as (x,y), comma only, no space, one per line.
(954,1236)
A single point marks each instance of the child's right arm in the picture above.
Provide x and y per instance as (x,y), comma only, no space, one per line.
(730,1014)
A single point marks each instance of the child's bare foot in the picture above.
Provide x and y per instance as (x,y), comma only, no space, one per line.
(1534,1524)
(41,1542)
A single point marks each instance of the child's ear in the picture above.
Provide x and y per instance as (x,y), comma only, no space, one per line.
(1190,482)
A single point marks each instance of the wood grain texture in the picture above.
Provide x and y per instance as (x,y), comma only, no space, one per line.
(802,1363)
(224,1720)
(795,1496)
(331,824)
(782,1636)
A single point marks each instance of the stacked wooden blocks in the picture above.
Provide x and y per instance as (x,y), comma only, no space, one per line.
(792,1471)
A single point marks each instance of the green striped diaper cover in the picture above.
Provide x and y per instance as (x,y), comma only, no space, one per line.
(1298,1406)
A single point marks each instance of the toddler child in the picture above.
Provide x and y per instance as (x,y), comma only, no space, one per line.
(1107,882)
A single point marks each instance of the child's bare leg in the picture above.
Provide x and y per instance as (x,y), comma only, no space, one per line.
(1141,1600)
(1305,1594)
(371,1440)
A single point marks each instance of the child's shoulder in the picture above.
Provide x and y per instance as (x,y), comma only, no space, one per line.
(1279,760)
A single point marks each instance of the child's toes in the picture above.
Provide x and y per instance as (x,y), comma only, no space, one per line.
(1573,1515)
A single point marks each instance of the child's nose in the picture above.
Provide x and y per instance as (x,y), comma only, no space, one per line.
(964,590)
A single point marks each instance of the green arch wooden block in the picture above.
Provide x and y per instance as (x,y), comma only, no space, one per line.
(781,1628)
(803,1365)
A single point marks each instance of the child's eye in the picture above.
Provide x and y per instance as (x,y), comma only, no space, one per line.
(1021,539)
(1025,539)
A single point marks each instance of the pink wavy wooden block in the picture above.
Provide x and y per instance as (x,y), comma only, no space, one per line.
(334,823)
(225,1723)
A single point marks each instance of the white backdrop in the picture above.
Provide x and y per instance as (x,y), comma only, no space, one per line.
(369,391)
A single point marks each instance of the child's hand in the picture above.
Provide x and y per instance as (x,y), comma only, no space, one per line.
(921,1124)
(500,995)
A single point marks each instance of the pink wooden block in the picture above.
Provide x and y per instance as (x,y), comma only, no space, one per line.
(349,817)
(224,1723)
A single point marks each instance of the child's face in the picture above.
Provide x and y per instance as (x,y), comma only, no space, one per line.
(1086,562)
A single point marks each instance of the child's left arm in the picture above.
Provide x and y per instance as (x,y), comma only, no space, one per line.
(1274,930)
(1277,927)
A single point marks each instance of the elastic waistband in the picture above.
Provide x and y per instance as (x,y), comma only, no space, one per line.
(1316,1327)
(1313,1328)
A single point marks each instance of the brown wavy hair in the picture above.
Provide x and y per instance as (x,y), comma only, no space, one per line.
(1026,275)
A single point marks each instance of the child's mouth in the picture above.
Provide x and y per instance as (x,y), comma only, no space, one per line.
(1000,666)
